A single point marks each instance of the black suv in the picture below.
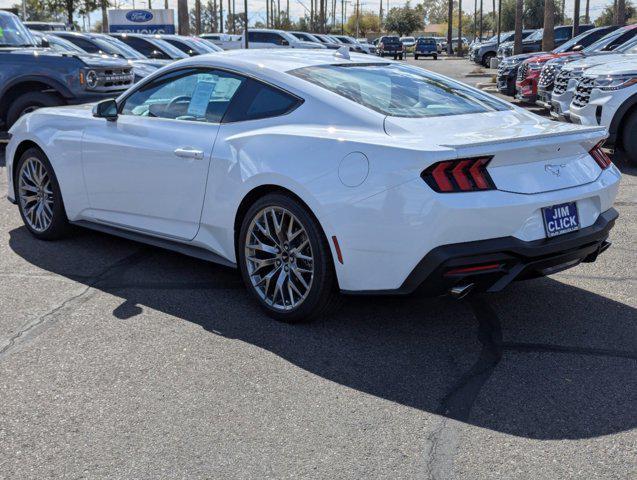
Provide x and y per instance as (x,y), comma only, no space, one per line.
(392,46)
(33,77)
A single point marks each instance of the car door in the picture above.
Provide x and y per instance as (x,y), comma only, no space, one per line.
(148,169)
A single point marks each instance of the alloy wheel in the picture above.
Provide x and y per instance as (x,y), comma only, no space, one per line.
(36,194)
(279,258)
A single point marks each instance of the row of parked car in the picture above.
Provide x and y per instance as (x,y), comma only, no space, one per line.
(590,79)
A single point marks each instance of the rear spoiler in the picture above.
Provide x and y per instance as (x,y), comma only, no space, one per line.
(581,134)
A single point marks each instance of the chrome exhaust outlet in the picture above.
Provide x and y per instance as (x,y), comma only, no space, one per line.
(460,291)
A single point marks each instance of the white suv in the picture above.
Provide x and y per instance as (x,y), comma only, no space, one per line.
(571,73)
(607,96)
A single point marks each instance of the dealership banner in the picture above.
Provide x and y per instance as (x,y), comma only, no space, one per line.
(141,21)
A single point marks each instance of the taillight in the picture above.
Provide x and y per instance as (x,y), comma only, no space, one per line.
(466,175)
(600,156)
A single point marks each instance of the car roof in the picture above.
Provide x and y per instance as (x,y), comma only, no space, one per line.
(282,61)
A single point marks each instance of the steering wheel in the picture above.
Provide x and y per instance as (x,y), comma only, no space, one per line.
(176,100)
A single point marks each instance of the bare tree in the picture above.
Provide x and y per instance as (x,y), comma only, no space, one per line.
(182,17)
(548,38)
(517,45)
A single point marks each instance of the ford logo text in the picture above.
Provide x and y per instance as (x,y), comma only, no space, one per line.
(139,16)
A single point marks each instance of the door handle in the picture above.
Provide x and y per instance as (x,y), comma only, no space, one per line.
(189,153)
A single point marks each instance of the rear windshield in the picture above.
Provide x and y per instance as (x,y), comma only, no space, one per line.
(391,39)
(427,41)
(399,90)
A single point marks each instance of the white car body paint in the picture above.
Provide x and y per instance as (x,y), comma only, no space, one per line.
(385,225)
(608,101)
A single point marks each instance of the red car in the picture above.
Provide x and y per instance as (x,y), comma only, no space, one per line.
(529,71)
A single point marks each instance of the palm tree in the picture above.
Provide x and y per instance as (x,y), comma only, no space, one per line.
(621,12)
(104,5)
(517,45)
(459,52)
(576,18)
(548,38)
(198,17)
(587,18)
(449,28)
(182,17)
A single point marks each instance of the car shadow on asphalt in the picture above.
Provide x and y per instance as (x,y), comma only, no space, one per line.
(544,360)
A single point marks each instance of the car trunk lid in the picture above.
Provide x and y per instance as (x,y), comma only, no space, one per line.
(528,155)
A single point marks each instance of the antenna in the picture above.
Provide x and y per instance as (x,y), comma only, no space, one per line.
(342,52)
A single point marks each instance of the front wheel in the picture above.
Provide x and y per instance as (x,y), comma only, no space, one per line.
(39,196)
(415,57)
(629,139)
(28,102)
(435,57)
(285,260)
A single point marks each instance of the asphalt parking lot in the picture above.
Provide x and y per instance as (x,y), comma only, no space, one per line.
(119,360)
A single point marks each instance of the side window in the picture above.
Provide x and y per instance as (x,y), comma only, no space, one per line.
(258,100)
(142,46)
(194,94)
(563,34)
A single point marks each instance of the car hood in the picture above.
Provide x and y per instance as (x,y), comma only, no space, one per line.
(514,59)
(588,62)
(150,62)
(625,67)
(88,59)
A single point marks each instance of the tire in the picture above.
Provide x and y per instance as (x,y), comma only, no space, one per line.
(30,101)
(435,56)
(486,59)
(628,141)
(58,225)
(415,57)
(321,297)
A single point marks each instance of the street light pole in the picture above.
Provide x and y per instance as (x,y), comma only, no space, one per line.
(245,21)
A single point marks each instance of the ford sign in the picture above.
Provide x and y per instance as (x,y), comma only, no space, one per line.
(139,16)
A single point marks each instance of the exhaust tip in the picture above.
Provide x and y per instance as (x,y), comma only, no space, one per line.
(460,291)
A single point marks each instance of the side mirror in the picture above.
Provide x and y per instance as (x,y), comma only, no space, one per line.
(578,48)
(106,109)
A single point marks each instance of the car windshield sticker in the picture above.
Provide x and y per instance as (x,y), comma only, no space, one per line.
(200,99)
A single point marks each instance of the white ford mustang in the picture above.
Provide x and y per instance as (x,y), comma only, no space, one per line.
(314,173)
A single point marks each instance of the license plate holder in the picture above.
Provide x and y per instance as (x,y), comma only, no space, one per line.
(560,219)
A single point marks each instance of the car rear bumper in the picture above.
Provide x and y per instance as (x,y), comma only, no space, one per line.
(509,259)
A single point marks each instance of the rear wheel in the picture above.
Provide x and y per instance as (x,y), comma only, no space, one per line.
(285,260)
(29,102)
(39,197)
(415,57)
(435,56)
(629,139)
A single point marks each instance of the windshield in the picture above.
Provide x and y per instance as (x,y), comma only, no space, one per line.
(120,48)
(610,41)
(171,50)
(399,90)
(13,33)
(61,45)
(565,47)
(537,35)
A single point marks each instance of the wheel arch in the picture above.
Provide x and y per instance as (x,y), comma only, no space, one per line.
(260,191)
(22,147)
(622,113)
(27,84)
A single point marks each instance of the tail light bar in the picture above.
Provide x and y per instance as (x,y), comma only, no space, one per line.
(465,175)
(600,156)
